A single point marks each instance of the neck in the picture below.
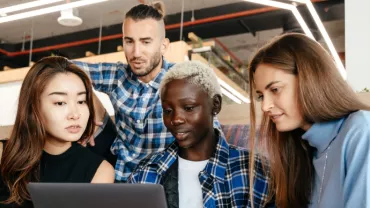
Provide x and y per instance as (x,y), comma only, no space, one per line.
(55,147)
(149,77)
(201,151)
(306,126)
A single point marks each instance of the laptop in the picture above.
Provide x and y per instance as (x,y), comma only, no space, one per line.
(80,195)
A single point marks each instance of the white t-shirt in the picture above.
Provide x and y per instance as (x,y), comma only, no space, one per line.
(190,191)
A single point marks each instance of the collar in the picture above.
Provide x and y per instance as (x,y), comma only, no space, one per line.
(157,79)
(216,166)
(320,135)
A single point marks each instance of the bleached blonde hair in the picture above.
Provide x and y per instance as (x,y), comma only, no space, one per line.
(195,72)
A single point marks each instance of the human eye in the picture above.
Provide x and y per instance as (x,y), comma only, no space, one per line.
(128,42)
(259,97)
(275,89)
(60,103)
(167,111)
(189,108)
(82,102)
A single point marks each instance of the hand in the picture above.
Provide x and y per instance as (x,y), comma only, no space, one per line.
(91,139)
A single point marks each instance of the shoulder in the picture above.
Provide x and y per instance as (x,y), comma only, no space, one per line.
(355,132)
(87,159)
(238,152)
(356,124)
(150,160)
(242,157)
(152,167)
(104,174)
(359,118)
(167,65)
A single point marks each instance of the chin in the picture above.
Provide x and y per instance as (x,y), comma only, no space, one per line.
(184,145)
(285,128)
(72,139)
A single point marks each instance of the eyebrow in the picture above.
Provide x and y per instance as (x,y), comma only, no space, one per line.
(141,39)
(65,94)
(269,85)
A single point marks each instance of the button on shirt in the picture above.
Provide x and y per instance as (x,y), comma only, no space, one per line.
(138,112)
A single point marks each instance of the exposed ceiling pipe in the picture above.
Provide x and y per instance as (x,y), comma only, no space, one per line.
(228,51)
(168,27)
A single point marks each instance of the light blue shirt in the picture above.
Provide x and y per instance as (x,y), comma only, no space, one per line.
(346,179)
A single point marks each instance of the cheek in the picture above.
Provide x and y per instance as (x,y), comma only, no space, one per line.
(127,50)
(53,114)
(166,121)
(85,113)
(288,103)
(201,120)
(53,119)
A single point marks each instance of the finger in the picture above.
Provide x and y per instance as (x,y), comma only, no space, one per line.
(83,143)
(92,141)
(98,123)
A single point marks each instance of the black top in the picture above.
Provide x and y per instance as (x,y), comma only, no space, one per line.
(104,140)
(76,165)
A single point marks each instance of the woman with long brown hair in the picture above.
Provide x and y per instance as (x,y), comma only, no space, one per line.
(55,111)
(314,128)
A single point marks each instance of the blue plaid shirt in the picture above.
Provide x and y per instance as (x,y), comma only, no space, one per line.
(138,112)
(224,180)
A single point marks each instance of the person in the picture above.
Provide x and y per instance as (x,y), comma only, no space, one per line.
(55,111)
(316,130)
(199,169)
(133,88)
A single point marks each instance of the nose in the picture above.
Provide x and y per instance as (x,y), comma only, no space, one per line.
(267,104)
(74,113)
(137,50)
(177,119)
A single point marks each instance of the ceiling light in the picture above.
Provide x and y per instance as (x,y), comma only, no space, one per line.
(233,91)
(49,10)
(69,18)
(327,39)
(229,95)
(305,28)
(290,7)
(27,5)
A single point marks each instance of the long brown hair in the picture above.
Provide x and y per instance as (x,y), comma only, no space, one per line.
(22,153)
(323,95)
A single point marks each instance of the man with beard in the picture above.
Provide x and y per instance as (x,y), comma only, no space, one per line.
(132,88)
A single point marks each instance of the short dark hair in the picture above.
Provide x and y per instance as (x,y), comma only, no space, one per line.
(145,11)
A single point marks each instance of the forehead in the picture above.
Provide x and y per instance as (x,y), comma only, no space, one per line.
(183,88)
(266,73)
(141,28)
(65,82)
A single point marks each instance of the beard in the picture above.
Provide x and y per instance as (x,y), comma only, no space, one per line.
(153,63)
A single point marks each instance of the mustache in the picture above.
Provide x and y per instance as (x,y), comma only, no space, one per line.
(137,59)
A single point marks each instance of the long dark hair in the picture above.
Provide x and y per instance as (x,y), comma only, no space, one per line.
(22,152)
(323,95)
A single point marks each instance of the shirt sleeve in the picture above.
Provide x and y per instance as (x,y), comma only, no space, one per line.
(357,168)
(103,75)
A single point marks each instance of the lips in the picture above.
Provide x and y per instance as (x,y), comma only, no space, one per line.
(276,117)
(137,62)
(180,135)
(74,129)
